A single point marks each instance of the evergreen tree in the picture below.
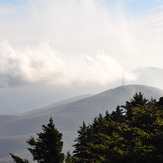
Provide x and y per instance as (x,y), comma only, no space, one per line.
(137,100)
(17,159)
(80,151)
(68,158)
(47,148)
(117,115)
(132,133)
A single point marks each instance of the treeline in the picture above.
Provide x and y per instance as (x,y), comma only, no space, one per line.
(133,133)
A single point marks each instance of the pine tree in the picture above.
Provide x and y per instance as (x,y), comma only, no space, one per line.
(80,151)
(47,147)
(117,115)
(132,133)
(68,158)
(137,100)
(17,159)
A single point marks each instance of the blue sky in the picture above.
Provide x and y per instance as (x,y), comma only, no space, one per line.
(135,6)
(12,2)
(143,6)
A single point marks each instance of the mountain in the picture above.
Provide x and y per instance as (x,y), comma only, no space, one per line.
(68,116)
(15,100)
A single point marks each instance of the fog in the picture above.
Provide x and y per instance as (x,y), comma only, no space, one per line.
(53,50)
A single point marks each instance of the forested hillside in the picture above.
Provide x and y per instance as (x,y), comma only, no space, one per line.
(133,133)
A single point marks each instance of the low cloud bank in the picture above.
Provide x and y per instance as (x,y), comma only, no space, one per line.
(26,65)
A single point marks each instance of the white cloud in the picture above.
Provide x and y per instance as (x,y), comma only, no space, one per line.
(86,26)
(25,65)
(72,25)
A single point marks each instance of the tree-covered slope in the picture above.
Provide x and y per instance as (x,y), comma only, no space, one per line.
(132,133)
(69,116)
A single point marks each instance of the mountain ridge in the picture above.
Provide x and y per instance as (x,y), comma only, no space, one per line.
(69,116)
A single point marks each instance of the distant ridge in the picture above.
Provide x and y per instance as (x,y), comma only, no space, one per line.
(68,116)
(63,102)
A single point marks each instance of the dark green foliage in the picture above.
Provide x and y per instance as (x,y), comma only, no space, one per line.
(132,133)
(18,159)
(117,115)
(81,145)
(136,101)
(68,158)
(47,148)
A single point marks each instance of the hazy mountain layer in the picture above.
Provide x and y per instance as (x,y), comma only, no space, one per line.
(68,116)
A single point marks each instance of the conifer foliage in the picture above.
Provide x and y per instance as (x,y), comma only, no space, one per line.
(132,133)
(68,158)
(47,148)
(18,159)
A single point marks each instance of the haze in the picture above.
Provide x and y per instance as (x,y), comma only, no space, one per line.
(77,47)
